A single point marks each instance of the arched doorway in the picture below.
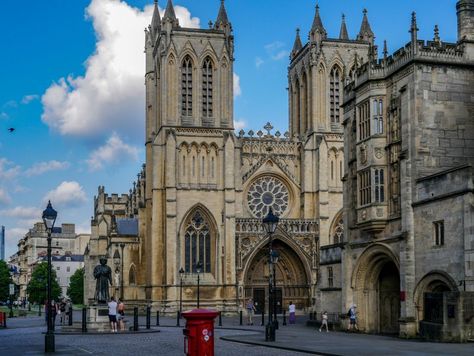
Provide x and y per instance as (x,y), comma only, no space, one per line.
(291,279)
(376,286)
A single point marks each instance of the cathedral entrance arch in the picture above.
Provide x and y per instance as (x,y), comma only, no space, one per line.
(291,279)
(376,285)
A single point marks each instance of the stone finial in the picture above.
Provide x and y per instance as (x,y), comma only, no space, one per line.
(436,38)
(268,127)
(343,35)
(385,51)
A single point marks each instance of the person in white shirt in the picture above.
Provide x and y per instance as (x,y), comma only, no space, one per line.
(113,314)
(292,311)
(324,321)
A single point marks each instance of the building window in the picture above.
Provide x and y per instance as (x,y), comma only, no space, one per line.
(212,167)
(332,170)
(439,233)
(330,277)
(197,243)
(377,117)
(58,268)
(184,166)
(57,243)
(334,94)
(364,188)
(68,269)
(338,234)
(364,120)
(131,276)
(194,166)
(187,87)
(207,88)
(379,185)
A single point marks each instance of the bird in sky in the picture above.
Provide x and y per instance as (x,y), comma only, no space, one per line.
(11,129)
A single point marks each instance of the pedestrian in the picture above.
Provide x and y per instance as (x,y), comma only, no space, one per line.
(352,313)
(250,310)
(54,311)
(68,309)
(62,311)
(113,314)
(121,315)
(292,311)
(324,321)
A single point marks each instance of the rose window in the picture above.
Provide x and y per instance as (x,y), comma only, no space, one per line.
(267,192)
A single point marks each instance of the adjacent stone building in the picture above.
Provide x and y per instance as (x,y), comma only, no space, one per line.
(408,187)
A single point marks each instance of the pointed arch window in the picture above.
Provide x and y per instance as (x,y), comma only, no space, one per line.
(197,243)
(207,88)
(187,87)
(334,94)
(338,233)
(132,276)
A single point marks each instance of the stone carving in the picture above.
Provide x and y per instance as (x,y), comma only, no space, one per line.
(378,153)
(103,276)
(363,154)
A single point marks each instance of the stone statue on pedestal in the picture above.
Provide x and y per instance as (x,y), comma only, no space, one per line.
(103,276)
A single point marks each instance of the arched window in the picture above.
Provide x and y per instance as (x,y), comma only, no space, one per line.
(207,88)
(197,243)
(187,87)
(334,94)
(194,167)
(202,167)
(332,170)
(212,167)
(184,166)
(338,232)
(131,276)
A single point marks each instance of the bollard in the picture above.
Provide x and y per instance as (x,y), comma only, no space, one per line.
(148,317)
(135,319)
(263,318)
(240,317)
(4,316)
(220,318)
(284,317)
(84,320)
(178,316)
(70,316)
(157,318)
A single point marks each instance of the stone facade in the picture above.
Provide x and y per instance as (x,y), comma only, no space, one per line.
(409,138)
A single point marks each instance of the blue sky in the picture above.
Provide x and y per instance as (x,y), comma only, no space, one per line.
(71,75)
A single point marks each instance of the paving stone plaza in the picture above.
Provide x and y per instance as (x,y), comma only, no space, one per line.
(24,336)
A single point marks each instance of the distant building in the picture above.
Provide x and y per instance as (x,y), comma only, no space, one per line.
(32,248)
(65,266)
(2,243)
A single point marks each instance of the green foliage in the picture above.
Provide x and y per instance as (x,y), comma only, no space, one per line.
(75,291)
(37,292)
(5,281)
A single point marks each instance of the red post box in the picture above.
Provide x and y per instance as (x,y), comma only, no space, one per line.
(199,332)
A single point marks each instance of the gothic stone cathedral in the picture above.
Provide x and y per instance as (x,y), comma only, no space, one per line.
(204,189)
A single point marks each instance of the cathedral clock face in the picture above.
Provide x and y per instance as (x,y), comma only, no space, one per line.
(267,192)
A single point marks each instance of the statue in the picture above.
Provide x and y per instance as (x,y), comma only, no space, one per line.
(103,276)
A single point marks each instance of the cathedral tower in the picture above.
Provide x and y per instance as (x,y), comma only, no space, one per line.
(190,154)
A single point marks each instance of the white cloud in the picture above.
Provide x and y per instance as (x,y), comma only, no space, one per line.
(111,93)
(8,173)
(43,167)
(280,55)
(239,124)
(276,51)
(29,98)
(4,197)
(114,151)
(67,193)
(22,212)
(237,90)
(14,234)
(3,115)
(258,62)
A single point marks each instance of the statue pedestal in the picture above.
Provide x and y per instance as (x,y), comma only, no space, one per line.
(98,318)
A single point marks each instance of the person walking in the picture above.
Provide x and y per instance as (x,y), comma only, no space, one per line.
(113,314)
(62,312)
(324,321)
(250,310)
(292,312)
(121,315)
(68,309)
(353,318)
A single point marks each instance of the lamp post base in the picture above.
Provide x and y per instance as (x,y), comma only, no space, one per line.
(49,343)
(270,332)
(275,324)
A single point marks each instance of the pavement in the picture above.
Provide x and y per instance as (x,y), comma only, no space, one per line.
(25,336)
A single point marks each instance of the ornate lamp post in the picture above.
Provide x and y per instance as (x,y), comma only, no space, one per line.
(198,270)
(181,272)
(274,257)
(49,218)
(270,223)
(122,246)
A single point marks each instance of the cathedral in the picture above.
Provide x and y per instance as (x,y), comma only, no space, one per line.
(198,203)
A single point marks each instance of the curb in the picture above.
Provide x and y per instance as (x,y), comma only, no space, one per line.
(106,332)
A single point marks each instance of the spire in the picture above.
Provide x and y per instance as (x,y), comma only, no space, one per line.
(343,32)
(365,33)
(414,31)
(156,20)
(436,38)
(170,14)
(385,51)
(298,45)
(222,21)
(317,23)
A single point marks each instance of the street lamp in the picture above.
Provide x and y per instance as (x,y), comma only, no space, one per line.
(198,270)
(181,272)
(116,259)
(49,218)
(270,223)
(274,257)
(122,245)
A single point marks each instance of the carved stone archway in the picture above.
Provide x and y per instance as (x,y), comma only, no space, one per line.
(376,288)
(292,281)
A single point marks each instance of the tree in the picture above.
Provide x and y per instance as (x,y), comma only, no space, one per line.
(37,288)
(75,291)
(5,281)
